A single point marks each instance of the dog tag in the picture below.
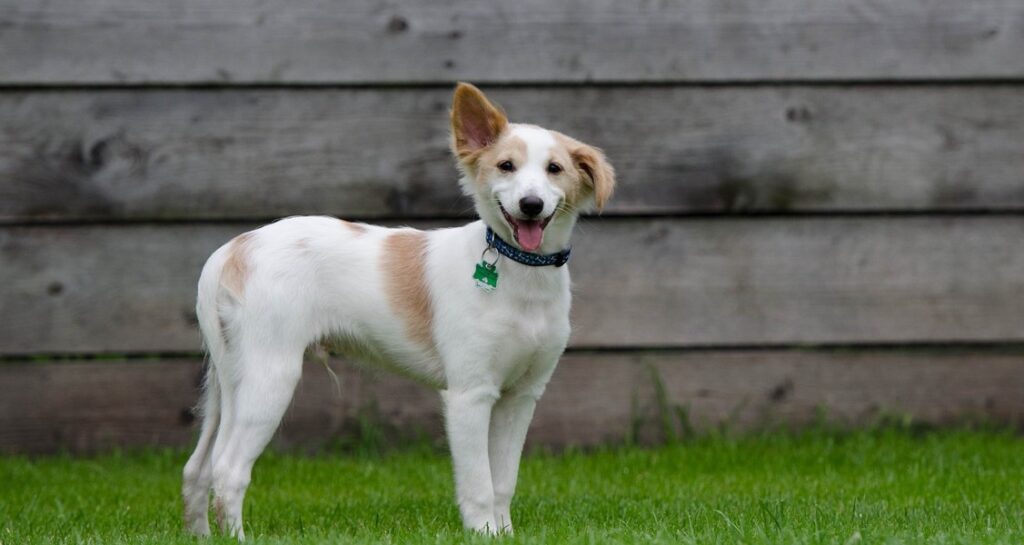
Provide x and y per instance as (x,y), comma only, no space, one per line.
(486,276)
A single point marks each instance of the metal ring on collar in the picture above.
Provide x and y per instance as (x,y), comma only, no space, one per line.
(497,255)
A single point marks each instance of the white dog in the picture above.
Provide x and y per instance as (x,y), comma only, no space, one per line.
(481,312)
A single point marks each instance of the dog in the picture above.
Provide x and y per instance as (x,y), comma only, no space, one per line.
(481,312)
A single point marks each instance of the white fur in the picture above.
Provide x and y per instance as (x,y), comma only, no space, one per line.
(311,278)
(531,178)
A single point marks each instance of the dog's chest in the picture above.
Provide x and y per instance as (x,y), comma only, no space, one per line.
(502,333)
(525,335)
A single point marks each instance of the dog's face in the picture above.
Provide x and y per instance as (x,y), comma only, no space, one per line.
(523,178)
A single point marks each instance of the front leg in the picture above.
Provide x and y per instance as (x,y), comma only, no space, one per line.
(468,418)
(510,420)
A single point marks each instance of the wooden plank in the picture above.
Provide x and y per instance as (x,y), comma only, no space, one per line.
(313,41)
(383,153)
(91,406)
(638,283)
(600,397)
(593,398)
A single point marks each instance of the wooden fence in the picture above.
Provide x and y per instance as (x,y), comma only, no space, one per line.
(820,204)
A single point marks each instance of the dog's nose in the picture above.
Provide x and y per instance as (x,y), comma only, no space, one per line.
(531,206)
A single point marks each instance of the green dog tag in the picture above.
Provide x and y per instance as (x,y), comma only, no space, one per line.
(486,276)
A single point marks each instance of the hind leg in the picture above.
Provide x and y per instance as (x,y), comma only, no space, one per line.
(198,473)
(260,399)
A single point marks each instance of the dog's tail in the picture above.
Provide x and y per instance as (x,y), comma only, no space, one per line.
(207,310)
(209,316)
(195,486)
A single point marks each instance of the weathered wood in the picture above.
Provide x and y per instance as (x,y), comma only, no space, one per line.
(89,406)
(638,282)
(313,41)
(599,397)
(383,153)
(594,397)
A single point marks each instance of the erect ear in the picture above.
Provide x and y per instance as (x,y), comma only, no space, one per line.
(597,172)
(476,122)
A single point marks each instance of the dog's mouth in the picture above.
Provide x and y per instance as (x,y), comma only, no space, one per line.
(528,233)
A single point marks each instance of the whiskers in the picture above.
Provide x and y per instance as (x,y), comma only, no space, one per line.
(565,208)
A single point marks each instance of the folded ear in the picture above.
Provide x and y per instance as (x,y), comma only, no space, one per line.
(597,172)
(476,122)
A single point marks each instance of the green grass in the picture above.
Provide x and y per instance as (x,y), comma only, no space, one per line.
(882,486)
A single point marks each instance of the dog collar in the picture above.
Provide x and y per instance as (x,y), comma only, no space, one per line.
(526,258)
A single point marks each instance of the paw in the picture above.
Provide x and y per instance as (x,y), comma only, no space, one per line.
(198,527)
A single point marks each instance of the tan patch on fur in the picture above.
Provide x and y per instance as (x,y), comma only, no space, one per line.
(594,173)
(404,263)
(357,228)
(571,180)
(236,268)
(507,148)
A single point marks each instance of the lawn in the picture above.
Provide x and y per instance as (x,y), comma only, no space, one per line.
(881,486)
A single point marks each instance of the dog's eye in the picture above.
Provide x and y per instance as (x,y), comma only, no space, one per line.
(554,168)
(506,166)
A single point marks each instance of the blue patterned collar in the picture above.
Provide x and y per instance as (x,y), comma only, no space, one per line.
(526,258)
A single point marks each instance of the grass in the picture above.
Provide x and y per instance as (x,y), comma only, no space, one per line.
(883,486)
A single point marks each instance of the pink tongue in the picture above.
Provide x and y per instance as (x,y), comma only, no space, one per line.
(529,234)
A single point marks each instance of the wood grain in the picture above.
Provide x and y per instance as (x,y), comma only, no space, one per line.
(315,41)
(638,283)
(137,155)
(594,398)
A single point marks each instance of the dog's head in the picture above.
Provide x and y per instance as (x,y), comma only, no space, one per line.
(524,180)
